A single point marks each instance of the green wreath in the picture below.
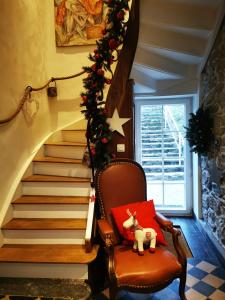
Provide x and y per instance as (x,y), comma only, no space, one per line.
(200,131)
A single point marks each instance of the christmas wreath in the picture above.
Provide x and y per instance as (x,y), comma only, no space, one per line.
(106,52)
(200,131)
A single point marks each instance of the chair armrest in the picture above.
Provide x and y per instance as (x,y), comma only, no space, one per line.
(180,252)
(106,232)
(164,223)
(167,225)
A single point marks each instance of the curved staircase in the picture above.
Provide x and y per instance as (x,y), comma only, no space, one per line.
(46,233)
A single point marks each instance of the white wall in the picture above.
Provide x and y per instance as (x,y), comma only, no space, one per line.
(29,57)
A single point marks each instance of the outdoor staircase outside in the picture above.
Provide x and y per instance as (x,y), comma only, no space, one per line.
(161,158)
(46,235)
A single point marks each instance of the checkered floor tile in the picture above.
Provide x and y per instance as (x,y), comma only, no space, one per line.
(204,282)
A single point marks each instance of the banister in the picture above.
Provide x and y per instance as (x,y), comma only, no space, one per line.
(120,85)
(120,94)
(117,89)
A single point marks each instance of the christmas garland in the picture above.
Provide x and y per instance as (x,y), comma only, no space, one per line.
(200,131)
(106,52)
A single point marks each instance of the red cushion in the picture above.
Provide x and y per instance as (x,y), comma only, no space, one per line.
(145,214)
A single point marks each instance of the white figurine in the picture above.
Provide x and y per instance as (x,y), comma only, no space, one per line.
(142,235)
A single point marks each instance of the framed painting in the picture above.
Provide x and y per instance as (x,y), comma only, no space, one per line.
(79,22)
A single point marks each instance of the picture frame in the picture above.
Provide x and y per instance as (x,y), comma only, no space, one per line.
(79,22)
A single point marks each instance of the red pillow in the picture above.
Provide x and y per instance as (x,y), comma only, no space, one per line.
(145,214)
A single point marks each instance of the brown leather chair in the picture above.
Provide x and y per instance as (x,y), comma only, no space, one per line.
(122,182)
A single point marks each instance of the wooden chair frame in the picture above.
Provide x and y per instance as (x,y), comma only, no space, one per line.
(107,235)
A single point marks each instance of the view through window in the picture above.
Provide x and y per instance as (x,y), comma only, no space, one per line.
(162,153)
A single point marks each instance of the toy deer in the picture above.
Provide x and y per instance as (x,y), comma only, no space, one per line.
(142,235)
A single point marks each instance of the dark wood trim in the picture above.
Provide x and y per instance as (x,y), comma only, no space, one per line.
(120,94)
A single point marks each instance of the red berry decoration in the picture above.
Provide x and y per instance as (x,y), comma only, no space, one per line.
(97,56)
(113,44)
(120,15)
(93,152)
(93,67)
(84,98)
(100,72)
(104,140)
(108,81)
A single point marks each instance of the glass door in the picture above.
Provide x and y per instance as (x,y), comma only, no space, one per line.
(162,151)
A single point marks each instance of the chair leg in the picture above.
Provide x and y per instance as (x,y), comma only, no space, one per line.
(182,286)
(112,292)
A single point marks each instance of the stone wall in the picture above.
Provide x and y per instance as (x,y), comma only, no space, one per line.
(212,94)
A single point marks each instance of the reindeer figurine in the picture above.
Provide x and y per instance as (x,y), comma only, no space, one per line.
(142,235)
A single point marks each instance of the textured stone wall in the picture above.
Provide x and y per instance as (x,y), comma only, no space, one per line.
(212,94)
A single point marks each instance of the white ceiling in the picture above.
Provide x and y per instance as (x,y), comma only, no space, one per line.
(174,41)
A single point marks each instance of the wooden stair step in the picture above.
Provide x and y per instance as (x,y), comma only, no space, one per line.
(50,159)
(26,199)
(66,254)
(49,178)
(76,130)
(45,224)
(61,143)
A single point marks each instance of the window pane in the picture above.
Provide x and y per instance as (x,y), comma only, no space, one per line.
(155,192)
(162,153)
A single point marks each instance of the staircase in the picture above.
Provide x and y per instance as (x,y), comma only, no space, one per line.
(161,157)
(174,42)
(46,232)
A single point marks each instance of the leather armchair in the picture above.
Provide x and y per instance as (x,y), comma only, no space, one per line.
(122,182)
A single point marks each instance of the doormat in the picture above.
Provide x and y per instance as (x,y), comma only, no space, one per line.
(182,240)
(43,289)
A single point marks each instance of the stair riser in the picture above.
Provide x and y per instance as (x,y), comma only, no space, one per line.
(64,151)
(61,169)
(74,136)
(50,211)
(43,236)
(40,270)
(55,189)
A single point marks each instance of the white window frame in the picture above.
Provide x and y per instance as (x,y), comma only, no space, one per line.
(188,172)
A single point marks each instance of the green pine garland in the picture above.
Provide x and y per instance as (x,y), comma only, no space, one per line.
(99,133)
(200,131)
